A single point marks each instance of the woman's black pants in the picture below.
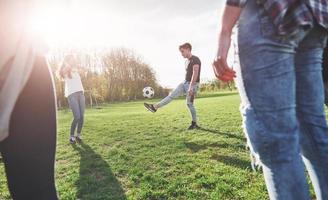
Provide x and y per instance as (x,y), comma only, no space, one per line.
(29,151)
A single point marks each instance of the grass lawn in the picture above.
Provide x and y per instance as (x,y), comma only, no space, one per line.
(129,153)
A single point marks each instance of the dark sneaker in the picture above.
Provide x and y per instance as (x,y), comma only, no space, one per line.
(150,107)
(193,126)
(196,126)
(72,140)
(79,139)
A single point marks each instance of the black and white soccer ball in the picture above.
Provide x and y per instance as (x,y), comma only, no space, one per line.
(148,92)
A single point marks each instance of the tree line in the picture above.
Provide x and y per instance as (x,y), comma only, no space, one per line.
(109,75)
(217,85)
(115,75)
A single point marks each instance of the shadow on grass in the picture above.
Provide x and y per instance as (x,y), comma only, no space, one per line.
(217,94)
(195,147)
(228,160)
(96,180)
(232,161)
(228,135)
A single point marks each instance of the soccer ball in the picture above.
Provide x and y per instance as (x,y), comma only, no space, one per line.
(148,92)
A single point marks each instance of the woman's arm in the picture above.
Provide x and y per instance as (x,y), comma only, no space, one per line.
(61,71)
(221,69)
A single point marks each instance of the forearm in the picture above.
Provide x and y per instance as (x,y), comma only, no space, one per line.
(194,78)
(230,17)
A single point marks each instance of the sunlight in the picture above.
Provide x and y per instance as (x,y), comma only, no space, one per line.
(150,29)
(81,25)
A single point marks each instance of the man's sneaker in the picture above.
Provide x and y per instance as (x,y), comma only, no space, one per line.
(193,126)
(150,107)
(72,140)
(79,138)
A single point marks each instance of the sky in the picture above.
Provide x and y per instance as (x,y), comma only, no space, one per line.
(152,28)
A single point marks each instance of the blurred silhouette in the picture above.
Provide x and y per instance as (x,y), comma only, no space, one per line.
(97,180)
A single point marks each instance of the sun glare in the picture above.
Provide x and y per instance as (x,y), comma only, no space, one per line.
(63,25)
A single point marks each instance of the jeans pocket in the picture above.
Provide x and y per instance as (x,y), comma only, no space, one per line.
(267,29)
(266,25)
(270,31)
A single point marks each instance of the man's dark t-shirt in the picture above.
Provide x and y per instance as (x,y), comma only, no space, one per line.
(194,60)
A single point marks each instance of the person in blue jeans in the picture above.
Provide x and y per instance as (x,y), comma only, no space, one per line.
(281,89)
(74,91)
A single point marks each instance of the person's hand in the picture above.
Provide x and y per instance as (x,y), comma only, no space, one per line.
(66,68)
(220,66)
(190,92)
(222,71)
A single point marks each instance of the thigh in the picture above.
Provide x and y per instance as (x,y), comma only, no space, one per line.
(309,58)
(82,104)
(269,87)
(268,69)
(190,99)
(270,90)
(186,88)
(195,88)
(74,104)
(178,91)
(29,151)
(310,87)
(270,116)
(310,92)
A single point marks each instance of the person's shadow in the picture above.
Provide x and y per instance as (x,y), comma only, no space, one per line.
(96,181)
(226,134)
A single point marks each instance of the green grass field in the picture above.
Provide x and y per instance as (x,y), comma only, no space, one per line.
(129,153)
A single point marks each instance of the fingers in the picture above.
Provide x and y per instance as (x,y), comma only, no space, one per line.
(222,71)
(222,67)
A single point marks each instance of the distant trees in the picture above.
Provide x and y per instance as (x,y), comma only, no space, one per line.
(110,75)
(216,85)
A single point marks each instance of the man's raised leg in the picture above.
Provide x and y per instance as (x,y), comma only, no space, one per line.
(174,94)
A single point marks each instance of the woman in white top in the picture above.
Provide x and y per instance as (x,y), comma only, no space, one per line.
(75,93)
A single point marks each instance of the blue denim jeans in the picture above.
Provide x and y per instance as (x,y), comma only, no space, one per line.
(282,106)
(77,104)
(182,89)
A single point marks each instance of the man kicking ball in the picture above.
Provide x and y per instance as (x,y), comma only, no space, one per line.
(189,87)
